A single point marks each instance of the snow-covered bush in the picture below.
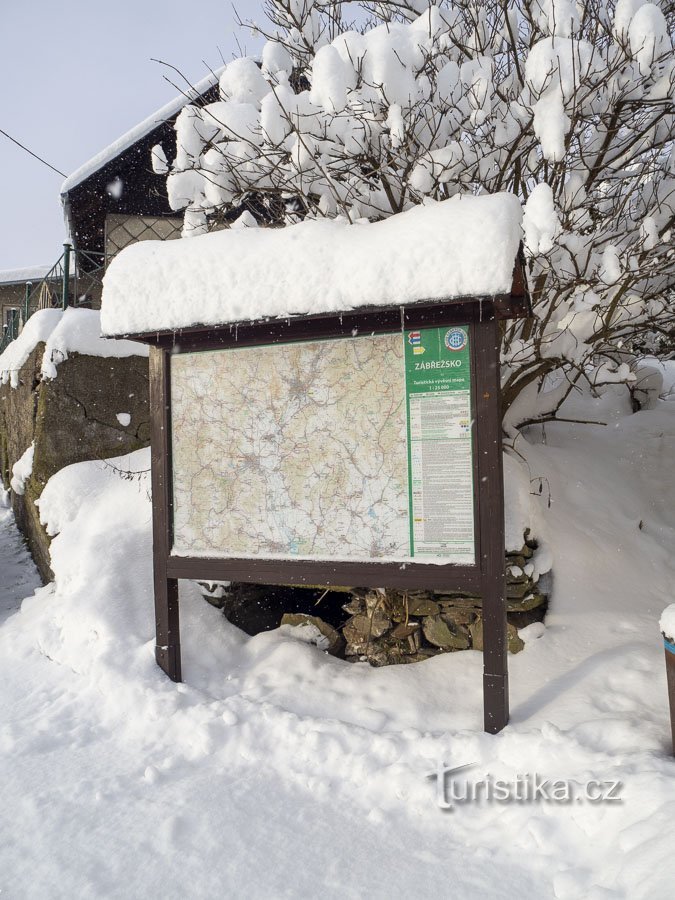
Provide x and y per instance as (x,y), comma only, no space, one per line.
(364,109)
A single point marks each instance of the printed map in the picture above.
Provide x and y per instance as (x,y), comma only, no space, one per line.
(292,450)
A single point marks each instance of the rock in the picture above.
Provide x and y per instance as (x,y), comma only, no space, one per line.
(459,616)
(459,602)
(441,634)
(516,561)
(517,590)
(530,542)
(375,599)
(441,596)
(335,644)
(214,592)
(530,601)
(367,627)
(383,654)
(422,606)
(514,642)
(355,607)
(523,619)
(408,635)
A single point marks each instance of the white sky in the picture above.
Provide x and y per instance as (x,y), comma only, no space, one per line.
(75,76)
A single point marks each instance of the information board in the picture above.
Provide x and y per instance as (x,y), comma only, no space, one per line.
(344,449)
(439,438)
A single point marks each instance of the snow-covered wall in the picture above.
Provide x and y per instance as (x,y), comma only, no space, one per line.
(63,333)
(95,407)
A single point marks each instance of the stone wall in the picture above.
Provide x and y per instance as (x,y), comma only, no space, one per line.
(386,627)
(71,418)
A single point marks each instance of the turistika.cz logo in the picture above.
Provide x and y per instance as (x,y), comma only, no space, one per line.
(529,787)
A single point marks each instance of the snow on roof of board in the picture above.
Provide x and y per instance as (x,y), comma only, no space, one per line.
(462,247)
(139,131)
(30,273)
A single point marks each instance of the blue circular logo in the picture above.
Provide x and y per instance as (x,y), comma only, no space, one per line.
(455,339)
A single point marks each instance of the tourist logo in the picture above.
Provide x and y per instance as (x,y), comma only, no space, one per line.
(530,787)
(456,339)
(415,341)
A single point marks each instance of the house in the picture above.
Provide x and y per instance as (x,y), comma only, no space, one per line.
(22,289)
(113,200)
(116,199)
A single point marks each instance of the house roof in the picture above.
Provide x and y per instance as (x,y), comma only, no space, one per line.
(166,112)
(19,276)
(120,178)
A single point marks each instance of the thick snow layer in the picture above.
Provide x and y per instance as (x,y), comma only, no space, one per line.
(79,331)
(36,330)
(139,131)
(22,469)
(540,221)
(667,622)
(271,750)
(18,276)
(461,247)
(72,331)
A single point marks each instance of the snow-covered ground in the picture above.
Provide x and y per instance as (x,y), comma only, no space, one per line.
(278,771)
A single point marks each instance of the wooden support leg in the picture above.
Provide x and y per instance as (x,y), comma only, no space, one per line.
(491,495)
(495,665)
(670,674)
(167,649)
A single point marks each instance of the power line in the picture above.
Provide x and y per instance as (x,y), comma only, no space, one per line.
(44,161)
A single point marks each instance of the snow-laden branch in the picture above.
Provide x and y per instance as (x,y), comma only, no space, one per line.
(570,106)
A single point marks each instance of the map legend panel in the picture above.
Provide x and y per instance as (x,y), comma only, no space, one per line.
(440,456)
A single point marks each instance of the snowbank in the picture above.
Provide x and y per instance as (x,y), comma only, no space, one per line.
(79,331)
(22,469)
(36,330)
(461,247)
(202,775)
(72,331)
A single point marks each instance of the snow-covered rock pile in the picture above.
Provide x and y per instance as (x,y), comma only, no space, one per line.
(387,627)
(394,626)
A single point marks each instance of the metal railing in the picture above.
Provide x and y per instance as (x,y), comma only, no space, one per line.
(75,279)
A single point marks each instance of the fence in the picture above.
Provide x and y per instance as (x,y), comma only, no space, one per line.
(76,279)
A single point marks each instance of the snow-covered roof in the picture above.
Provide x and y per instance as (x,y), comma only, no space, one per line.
(462,247)
(139,131)
(30,273)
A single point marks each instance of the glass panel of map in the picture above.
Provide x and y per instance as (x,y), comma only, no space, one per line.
(291,450)
(320,449)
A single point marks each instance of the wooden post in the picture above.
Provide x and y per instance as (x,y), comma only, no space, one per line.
(167,649)
(491,519)
(670,675)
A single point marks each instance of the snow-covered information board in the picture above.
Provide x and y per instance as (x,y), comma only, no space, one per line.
(352,448)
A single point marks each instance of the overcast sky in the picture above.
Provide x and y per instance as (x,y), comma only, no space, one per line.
(75,76)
